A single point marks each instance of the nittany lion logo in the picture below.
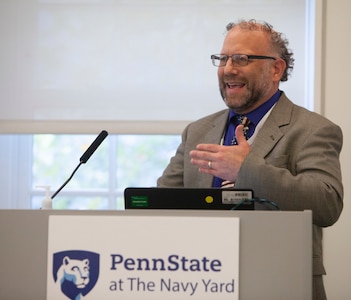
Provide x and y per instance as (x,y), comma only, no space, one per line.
(75,272)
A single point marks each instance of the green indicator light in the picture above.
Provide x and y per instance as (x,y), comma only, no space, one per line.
(140,201)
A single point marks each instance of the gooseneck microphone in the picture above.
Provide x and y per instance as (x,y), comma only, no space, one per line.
(84,158)
(89,152)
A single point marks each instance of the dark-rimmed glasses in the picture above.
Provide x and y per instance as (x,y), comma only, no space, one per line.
(238,60)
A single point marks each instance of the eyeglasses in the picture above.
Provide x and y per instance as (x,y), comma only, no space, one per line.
(238,60)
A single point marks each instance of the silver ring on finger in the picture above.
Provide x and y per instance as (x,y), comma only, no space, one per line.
(209,164)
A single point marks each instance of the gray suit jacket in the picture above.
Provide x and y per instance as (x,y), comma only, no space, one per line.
(294,161)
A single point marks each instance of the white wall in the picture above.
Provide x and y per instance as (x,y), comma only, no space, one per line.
(337,107)
(87,61)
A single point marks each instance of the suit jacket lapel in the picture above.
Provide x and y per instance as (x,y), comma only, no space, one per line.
(216,130)
(271,132)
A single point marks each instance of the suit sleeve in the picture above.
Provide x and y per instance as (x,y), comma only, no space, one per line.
(173,175)
(302,172)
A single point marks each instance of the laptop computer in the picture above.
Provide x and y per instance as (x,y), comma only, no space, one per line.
(188,198)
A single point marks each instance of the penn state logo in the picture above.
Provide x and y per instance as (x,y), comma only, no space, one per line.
(76,272)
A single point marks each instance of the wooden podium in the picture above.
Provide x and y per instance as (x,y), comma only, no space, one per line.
(275,250)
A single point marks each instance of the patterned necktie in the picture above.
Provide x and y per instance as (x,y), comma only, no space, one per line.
(230,140)
(247,129)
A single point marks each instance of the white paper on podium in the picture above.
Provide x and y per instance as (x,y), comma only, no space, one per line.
(141,257)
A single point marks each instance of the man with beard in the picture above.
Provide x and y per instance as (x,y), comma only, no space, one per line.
(283,152)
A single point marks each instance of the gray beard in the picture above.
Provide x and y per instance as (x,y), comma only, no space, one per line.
(248,100)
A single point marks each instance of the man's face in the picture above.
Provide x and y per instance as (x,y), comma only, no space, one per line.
(244,88)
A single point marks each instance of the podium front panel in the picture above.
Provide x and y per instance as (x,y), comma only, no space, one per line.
(275,254)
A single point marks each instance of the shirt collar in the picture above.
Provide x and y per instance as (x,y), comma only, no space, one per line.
(256,115)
